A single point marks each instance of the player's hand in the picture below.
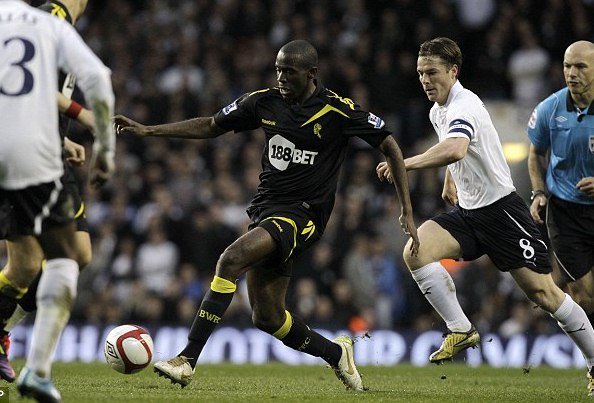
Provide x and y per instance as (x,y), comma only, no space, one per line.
(383,172)
(586,185)
(102,168)
(124,125)
(450,195)
(74,152)
(536,206)
(408,226)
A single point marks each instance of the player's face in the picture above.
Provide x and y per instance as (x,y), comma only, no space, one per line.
(293,78)
(436,78)
(578,69)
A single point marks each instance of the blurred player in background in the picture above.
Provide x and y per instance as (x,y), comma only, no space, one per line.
(20,277)
(34,46)
(489,216)
(307,131)
(561,165)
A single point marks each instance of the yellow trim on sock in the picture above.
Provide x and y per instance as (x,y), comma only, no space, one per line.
(8,288)
(223,286)
(284,329)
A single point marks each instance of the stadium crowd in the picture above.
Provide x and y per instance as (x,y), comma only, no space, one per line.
(174,206)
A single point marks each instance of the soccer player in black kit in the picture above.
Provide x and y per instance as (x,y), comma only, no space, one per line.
(307,130)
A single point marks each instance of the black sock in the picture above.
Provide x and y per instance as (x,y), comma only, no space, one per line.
(208,317)
(301,338)
(7,306)
(28,302)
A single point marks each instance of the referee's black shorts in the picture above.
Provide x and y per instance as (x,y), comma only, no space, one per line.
(504,231)
(571,231)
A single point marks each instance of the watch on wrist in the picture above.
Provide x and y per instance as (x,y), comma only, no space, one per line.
(537,193)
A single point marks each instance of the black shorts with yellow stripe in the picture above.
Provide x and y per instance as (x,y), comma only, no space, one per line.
(292,228)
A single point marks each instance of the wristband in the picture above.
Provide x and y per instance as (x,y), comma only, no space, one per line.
(73,110)
(537,193)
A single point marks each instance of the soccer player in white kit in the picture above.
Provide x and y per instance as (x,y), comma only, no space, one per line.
(489,216)
(33,46)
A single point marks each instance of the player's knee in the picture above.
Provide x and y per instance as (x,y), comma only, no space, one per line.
(413,262)
(230,263)
(266,322)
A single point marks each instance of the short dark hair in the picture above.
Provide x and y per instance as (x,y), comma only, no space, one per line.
(303,51)
(444,48)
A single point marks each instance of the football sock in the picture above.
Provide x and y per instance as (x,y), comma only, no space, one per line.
(24,306)
(17,317)
(28,302)
(574,322)
(437,286)
(9,294)
(55,296)
(296,334)
(213,306)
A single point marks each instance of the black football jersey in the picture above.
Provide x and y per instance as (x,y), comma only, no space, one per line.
(305,143)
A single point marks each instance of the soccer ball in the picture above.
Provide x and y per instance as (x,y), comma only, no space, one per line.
(128,349)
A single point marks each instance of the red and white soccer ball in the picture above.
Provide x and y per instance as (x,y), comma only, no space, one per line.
(128,349)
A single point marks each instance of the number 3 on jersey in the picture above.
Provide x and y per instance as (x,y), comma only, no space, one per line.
(281,152)
(17,68)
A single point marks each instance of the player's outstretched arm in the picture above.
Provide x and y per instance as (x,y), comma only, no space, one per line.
(75,111)
(197,128)
(395,161)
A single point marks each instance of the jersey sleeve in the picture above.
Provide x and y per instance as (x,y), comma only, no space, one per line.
(462,122)
(367,126)
(538,125)
(238,116)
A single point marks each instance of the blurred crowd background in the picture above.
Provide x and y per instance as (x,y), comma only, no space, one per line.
(174,205)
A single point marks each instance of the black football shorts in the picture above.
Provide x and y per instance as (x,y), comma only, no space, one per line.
(504,230)
(571,231)
(291,226)
(37,208)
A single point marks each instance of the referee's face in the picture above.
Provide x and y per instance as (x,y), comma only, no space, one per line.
(295,80)
(436,77)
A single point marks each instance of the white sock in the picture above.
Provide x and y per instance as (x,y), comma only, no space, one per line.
(55,296)
(438,287)
(574,322)
(17,316)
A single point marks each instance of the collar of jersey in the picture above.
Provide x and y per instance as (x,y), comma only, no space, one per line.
(571,107)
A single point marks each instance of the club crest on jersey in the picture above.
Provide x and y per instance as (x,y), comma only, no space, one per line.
(317,129)
(532,121)
(375,121)
(592,144)
(230,108)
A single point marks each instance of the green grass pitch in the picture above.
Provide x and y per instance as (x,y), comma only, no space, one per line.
(455,382)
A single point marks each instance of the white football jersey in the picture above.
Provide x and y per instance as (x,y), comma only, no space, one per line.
(482,177)
(33,46)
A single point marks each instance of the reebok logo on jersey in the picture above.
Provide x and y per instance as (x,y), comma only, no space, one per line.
(230,108)
(375,121)
(268,122)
